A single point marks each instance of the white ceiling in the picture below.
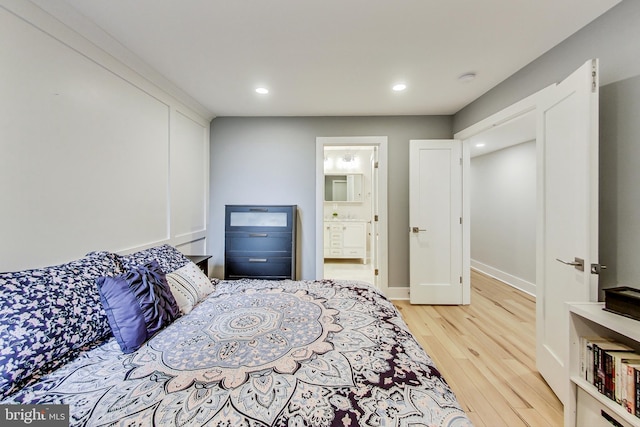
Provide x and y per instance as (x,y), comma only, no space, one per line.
(333,57)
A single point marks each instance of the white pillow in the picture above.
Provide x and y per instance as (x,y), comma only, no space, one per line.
(189,286)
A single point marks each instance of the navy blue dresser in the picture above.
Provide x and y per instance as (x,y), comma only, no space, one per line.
(260,242)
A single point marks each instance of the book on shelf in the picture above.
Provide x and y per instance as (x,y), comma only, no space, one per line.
(617,373)
(586,357)
(613,368)
(630,381)
(592,367)
(637,383)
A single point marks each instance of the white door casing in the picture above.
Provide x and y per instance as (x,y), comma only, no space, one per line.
(435,222)
(381,257)
(567,225)
(373,228)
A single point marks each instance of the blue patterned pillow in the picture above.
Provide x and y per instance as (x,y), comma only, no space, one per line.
(49,312)
(168,257)
(124,314)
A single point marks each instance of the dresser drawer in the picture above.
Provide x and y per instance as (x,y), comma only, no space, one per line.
(592,413)
(353,252)
(239,244)
(263,267)
(260,218)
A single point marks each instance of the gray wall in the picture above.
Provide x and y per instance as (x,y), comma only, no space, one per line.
(503,213)
(272,161)
(613,38)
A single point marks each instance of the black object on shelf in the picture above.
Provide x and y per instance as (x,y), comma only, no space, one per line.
(623,300)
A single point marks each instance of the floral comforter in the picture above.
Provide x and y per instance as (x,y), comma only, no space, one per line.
(262,353)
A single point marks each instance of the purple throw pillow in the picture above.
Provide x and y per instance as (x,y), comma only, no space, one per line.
(149,285)
(138,304)
(124,314)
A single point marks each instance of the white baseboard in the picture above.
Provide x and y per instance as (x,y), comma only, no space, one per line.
(402,293)
(397,293)
(513,281)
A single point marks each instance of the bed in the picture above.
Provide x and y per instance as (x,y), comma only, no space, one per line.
(259,353)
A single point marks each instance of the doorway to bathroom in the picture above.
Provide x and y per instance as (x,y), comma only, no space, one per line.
(351,197)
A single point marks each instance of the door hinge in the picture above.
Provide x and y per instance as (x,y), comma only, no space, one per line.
(375,165)
(460,161)
(460,220)
(460,279)
(375,218)
(375,272)
(594,78)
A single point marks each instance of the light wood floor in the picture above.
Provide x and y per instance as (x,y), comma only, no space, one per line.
(486,352)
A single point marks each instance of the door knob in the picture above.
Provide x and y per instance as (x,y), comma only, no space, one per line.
(417,229)
(597,268)
(578,263)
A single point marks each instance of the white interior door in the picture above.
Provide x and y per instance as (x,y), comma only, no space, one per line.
(435,224)
(567,231)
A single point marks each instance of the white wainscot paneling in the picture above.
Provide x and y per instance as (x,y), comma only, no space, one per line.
(197,247)
(189,178)
(84,154)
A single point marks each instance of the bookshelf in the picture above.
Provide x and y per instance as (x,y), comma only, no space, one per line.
(585,405)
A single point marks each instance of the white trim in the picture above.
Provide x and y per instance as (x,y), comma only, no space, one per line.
(509,113)
(397,293)
(509,279)
(466,225)
(133,249)
(381,142)
(183,239)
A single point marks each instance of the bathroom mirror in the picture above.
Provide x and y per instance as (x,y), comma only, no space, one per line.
(343,188)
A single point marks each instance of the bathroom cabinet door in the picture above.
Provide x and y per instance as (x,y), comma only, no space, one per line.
(354,240)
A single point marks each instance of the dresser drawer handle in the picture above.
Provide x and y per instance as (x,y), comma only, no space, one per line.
(258,210)
(257,260)
(258,235)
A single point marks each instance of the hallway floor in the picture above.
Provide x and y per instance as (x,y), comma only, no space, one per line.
(348,269)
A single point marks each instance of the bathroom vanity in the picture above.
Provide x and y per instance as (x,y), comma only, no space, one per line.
(345,238)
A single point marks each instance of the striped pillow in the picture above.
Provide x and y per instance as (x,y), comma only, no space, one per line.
(189,285)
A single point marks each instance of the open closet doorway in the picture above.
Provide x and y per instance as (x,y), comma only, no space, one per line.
(486,144)
(503,201)
(566,204)
(351,214)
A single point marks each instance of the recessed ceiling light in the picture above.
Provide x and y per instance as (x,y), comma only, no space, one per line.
(262,90)
(480,144)
(467,77)
(399,87)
